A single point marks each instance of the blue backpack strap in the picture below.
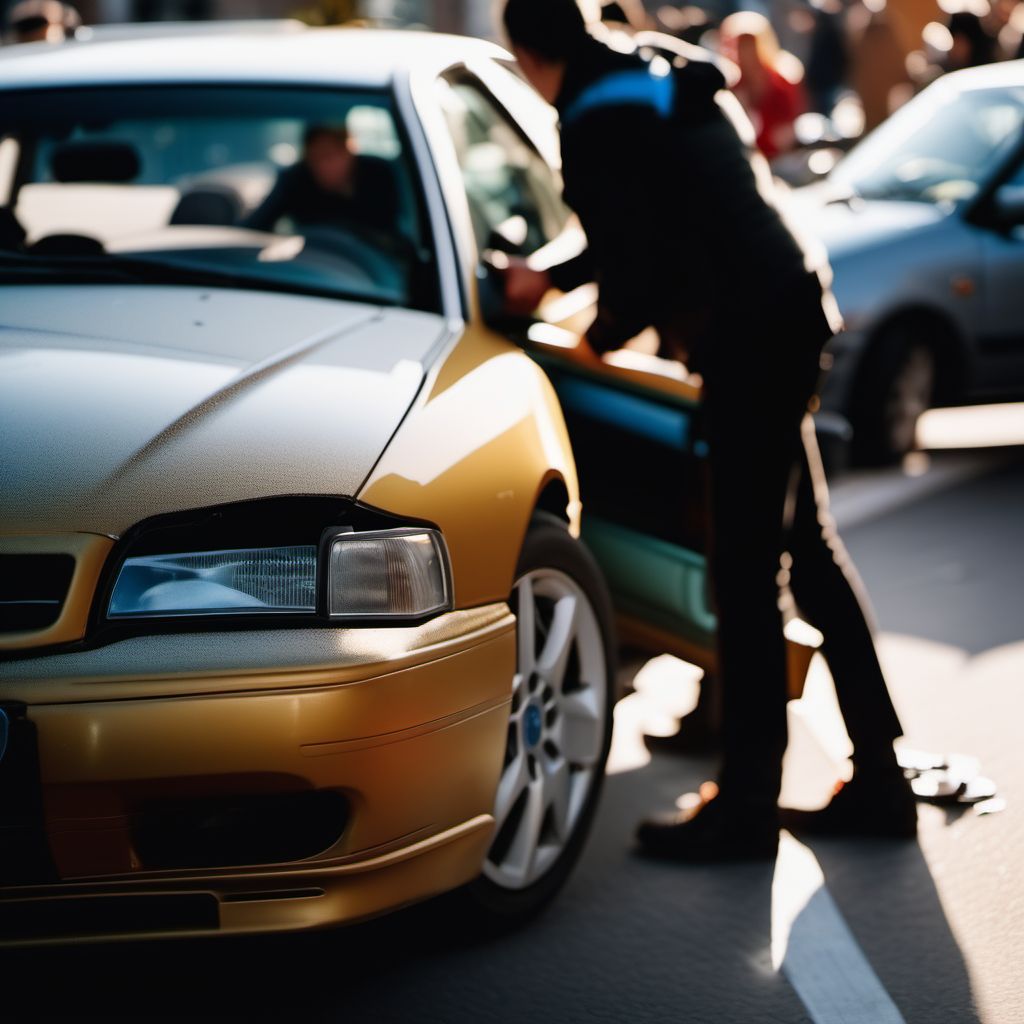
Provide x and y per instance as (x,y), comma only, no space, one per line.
(640,88)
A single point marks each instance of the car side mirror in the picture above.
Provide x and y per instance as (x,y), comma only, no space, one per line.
(506,239)
(1008,206)
(490,287)
(491,293)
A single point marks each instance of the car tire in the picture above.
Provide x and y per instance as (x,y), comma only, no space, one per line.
(553,740)
(897,384)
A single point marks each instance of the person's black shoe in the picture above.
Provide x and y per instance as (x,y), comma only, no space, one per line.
(867,809)
(715,830)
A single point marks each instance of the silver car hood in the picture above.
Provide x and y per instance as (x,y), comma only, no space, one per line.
(852,227)
(118,403)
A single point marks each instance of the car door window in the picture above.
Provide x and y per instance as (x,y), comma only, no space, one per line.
(514,196)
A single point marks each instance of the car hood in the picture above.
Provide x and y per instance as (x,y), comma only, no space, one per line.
(118,403)
(853,226)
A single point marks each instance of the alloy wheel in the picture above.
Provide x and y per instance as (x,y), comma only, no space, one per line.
(556,728)
(910,396)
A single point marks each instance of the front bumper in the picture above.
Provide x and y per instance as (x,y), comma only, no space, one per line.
(403,728)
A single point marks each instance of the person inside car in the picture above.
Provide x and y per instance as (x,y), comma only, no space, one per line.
(42,21)
(331,186)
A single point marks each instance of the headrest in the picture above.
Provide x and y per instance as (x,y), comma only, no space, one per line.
(113,162)
(211,204)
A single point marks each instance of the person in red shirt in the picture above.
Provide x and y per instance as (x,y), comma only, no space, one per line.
(770,80)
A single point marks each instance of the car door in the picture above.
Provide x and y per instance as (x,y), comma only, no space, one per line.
(633,425)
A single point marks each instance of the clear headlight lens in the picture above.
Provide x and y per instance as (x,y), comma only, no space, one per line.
(374,575)
(250,582)
(393,573)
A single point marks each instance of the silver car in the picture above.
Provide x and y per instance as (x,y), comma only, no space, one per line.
(924,224)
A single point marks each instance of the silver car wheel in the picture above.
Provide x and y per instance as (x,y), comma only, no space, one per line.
(556,728)
(910,396)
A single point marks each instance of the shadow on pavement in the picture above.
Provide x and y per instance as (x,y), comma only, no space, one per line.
(887,895)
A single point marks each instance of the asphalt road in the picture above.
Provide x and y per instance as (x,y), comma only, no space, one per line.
(922,932)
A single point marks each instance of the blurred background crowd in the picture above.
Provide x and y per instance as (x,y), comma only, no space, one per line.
(814,75)
(923,223)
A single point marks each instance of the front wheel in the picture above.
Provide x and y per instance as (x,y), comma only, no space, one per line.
(559,728)
(898,386)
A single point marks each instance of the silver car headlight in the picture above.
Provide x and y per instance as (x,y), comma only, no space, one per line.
(374,575)
(247,582)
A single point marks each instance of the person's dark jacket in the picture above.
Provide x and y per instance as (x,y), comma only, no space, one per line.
(296,195)
(680,223)
(828,62)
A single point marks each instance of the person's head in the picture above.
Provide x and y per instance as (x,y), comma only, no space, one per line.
(544,35)
(748,39)
(330,157)
(970,42)
(42,21)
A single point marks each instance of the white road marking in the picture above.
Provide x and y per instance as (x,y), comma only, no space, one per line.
(814,948)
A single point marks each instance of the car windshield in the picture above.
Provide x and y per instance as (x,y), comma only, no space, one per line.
(295,189)
(940,146)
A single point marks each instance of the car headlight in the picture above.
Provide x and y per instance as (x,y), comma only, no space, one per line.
(384,574)
(260,581)
(389,573)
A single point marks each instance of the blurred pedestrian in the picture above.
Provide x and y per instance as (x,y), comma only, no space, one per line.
(971,43)
(770,86)
(685,236)
(828,58)
(42,21)
(878,62)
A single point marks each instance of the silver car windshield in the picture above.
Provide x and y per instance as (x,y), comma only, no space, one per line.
(939,147)
(295,189)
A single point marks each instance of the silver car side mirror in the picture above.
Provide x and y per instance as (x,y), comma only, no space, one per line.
(1008,206)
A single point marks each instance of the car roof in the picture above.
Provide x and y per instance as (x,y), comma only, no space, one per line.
(365,58)
(1007,74)
(164,29)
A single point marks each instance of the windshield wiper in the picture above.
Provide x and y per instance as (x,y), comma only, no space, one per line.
(65,268)
(135,269)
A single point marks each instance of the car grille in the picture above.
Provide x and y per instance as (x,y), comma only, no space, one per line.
(227,831)
(33,589)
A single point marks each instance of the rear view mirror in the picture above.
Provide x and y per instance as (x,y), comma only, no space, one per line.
(114,163)
(491,293)
(1008,206)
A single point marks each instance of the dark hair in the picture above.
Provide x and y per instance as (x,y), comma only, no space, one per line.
(338,132)
(555,29)
(971,27)
(32,15)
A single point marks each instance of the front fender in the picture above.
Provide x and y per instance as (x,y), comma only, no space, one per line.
(484,438)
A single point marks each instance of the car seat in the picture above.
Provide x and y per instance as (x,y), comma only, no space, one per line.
(211,204)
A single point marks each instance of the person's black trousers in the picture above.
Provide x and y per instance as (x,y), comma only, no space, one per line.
(770,518)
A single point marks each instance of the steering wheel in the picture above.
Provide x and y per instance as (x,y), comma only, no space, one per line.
(353,245)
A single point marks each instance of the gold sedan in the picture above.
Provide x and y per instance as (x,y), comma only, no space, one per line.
(296,625)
